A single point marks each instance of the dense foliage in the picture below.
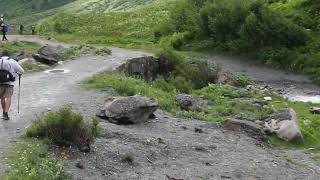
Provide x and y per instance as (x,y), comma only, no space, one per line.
(283,33)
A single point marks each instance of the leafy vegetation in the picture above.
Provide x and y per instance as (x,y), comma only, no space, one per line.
(64,128)
(29,160)
(21,46)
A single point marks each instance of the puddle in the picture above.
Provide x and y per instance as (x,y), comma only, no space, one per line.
(303,98)
(57,71)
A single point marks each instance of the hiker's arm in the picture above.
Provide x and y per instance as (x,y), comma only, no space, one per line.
(17,68)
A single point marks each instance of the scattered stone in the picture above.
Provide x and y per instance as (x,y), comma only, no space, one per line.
(267,98)
(128,110)
(85,149)
(251,128)
(19,56)
(284,123)
(198,130)
(201,149)
(315,110)
(188,102)
(225,78)
(49,109)
(79,165)
(185,101)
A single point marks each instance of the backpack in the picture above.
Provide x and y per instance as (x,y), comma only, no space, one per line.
(5,75)
(5,28)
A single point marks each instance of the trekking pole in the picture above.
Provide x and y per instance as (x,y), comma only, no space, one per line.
(19,94)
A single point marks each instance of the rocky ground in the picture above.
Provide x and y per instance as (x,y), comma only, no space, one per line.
(164,148)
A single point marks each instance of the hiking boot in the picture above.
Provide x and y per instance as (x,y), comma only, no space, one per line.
(5,116)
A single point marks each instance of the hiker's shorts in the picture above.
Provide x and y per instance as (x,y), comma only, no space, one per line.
(6,91)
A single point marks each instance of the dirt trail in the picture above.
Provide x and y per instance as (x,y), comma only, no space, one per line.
(292,84)
(164,148)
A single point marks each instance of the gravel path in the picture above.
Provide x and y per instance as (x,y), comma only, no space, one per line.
(165,148)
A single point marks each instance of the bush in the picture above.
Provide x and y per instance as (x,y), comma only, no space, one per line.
(198,72)
(64,127)
(242,80)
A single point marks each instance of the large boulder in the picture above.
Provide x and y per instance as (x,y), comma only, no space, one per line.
(47,55)
(284,123)
(128,110)
(146,67)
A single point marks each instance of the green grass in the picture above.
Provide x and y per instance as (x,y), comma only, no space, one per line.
(21,46)
(135,27)
(30,160)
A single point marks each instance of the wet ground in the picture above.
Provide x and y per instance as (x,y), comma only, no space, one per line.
(165,148)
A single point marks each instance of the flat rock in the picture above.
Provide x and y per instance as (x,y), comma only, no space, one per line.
(252,129)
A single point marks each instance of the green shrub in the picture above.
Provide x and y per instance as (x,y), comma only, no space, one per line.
(64,127)
(242,80)
(181,84)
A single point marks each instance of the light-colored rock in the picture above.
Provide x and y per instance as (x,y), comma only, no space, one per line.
(284,123)
(128,110)
(268,98)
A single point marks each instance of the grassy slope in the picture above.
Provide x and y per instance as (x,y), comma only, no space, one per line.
(119,27)
(29,12)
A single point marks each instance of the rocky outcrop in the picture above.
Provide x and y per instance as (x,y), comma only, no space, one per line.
(47,55)
(128,110)
(284,123)
(146,67)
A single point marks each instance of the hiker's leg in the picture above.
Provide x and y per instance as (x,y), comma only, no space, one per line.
(7,104)
(3,103)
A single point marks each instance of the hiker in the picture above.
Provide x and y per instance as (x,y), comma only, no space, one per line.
(21,28)
(8,68)
(4,28)
(33,30)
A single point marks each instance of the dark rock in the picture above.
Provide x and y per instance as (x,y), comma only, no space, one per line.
(85,149)
(80,165)
(188,102)
(47,55)
(198,130)
(19,56)
(128,110)
(315,110)
(185,101)
(251,128)
(146,67)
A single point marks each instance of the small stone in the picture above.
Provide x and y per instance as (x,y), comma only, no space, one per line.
(80,165)
(49,109)
(198,130)
(267,98)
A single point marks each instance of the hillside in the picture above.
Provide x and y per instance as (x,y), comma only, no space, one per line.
(30,11)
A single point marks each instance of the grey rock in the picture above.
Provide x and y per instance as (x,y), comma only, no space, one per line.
(47,55)
(19,56)
(284,123)
(186,101)
(315,110)
(252,129)
(147,67)
(128,110)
